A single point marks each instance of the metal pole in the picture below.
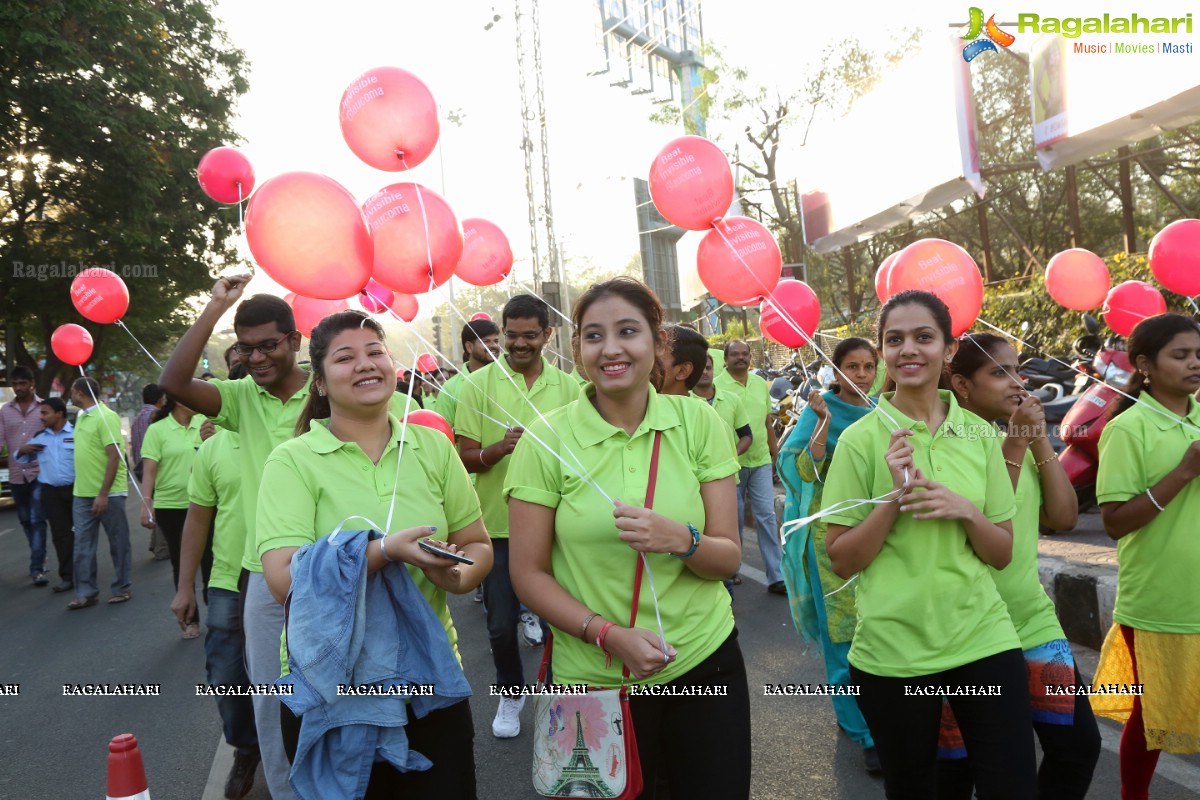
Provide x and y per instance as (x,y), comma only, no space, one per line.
(1126,199)
(984,239)
(1073,208)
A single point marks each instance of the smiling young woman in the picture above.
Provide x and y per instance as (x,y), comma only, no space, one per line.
(574,554)
(930,621)
(1150,500)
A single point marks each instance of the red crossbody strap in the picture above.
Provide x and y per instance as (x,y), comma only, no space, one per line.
(640,568)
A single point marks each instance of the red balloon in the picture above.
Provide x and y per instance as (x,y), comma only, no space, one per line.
(417,238)
(100,295)
(405,307)
(389,119)
(691,183)
(739,261)
(790,314)
(376,298)
(427,363)
(309,311)
(478,315)
(486,256)
(72,344)
(946,270)
(1175,257)
(1131,302)
(225,175)
(307,232)
(1077,279)
(881,277)
(289,297)
(430,419)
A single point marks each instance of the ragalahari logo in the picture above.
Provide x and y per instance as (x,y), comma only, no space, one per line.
(994,36)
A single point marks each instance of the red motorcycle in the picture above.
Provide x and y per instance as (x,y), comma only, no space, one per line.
(1081,427)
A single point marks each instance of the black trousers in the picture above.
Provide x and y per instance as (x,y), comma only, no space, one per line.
(1069,757)
(446,737)
(904,723)
(56,508)
(701,742)
(170,522)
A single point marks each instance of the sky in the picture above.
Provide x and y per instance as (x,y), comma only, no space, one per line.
(304,54)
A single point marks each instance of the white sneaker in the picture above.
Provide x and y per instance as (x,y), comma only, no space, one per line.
(507,723)
(531,629)
(478,597)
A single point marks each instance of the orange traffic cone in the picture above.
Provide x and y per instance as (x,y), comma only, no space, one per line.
(126,775)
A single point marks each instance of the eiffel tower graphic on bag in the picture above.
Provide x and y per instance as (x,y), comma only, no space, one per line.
(580,778)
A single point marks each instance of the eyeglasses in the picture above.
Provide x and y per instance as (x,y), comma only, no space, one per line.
(262,347)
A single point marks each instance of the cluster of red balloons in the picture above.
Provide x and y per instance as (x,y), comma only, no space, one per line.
(100,296)
(940,267)
(311,236)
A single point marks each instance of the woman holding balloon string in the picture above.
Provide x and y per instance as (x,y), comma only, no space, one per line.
(574,554)
(930,621)
(985,380)
(348,464)
(1149,500)
(822,609)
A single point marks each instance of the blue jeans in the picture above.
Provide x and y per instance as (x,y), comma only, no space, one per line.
(837,660)
(87,530)
(28,499)
(223,659)
(759,483)
(503,614)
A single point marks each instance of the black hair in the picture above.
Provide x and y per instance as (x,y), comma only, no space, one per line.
(231,351)
(164,412)
(263,309)
(915,297)
(638,295)
(476,329)
(323,335)
(844,348)
(731,343)
(238,371)
(526,306)
(87,386)
(151,394)
(1148,339)
(206,376)
(689,347)
(21,374)
(56,403)
(973,353)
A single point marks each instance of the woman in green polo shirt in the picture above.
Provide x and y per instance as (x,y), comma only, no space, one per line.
(349,464)
(930,621)
(985,380)
(574,554)
(167,454)
(1150,501)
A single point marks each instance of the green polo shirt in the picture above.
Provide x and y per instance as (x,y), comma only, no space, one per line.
(95,429)
(718,357)
(1029,607)
(312,484)
(587,558)
(216,482)
(1156,583)
(756,399)
(446,403)
(925,603)
(174,448)
(489,392)
(730,409)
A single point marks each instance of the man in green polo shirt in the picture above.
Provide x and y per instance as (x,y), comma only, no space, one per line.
(494,407)
(757,478)
(481,345)
(101,485)
(263,410)
(728,407)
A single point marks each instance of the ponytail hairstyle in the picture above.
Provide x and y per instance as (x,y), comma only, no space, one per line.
(844,348)
(638,295)
(323,335)
(1148,339)
(164,411)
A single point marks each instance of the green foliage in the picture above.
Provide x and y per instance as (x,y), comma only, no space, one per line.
(108,106)
(734,331)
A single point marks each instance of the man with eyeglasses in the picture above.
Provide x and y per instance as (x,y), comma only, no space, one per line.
(507,390)
(263,411)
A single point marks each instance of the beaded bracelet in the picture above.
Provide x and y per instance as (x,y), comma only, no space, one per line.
(1046,461)
(1152,500)
(1012,464)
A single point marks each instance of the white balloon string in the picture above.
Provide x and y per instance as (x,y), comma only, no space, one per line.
(1179,420)
(112,437)
(1192,301)
(564,317)
(121,324)
(425,223)
(400,449)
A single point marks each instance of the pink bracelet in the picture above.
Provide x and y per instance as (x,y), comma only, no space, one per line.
(600,637)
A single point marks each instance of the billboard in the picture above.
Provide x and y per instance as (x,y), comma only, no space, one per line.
(891,159)
(1099,83)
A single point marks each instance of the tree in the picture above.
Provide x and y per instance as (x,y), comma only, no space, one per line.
(108,106)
